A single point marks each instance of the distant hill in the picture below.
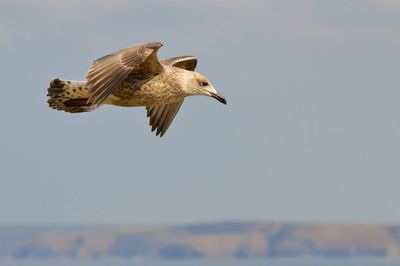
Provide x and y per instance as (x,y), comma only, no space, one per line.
(213,240)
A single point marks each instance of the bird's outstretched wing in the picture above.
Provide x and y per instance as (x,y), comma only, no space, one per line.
(108,73)
(161,116)
(187,62)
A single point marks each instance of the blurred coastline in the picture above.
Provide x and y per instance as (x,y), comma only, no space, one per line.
(227,240)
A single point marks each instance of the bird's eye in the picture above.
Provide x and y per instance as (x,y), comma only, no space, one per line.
(204,84)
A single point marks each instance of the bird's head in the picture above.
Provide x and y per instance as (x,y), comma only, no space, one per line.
(197,84)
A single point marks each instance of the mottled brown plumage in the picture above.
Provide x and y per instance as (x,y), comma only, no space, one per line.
(135,77)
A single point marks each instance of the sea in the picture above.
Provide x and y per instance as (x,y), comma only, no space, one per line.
(205,262)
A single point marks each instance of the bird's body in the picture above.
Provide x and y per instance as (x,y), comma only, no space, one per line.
(164,88)
(134,77)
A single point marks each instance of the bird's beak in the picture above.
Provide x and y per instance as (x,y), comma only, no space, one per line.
(217,96)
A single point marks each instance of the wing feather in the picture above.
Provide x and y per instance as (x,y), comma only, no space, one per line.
(161,116)
(108,72)
(187,62)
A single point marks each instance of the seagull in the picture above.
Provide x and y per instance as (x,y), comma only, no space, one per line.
(134,77)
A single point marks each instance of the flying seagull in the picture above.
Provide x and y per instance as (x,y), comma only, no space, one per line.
(134,77)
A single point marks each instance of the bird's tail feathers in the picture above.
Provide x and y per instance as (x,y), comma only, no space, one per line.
(69,96)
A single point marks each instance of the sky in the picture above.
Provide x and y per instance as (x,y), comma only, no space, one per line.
(310,133)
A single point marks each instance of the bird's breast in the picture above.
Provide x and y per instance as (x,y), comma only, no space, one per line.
(157,91)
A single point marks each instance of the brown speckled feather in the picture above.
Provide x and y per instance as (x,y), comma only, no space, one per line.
(161,116)
(108,73)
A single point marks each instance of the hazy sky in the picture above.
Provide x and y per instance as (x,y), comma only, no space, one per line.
(310,133)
